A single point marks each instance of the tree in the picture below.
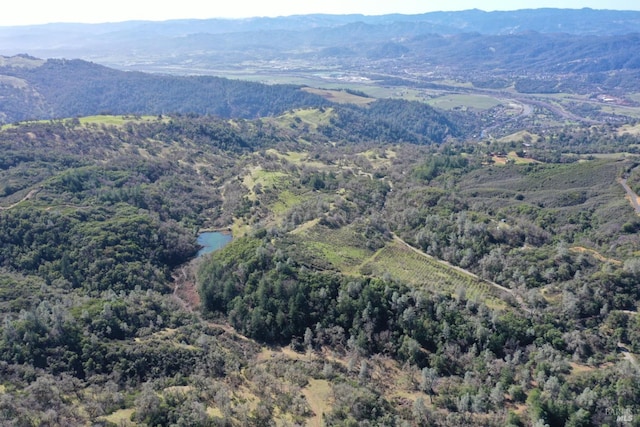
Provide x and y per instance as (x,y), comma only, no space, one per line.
(497,395)
(428,379)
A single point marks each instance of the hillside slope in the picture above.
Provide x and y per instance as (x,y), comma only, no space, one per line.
(68,88)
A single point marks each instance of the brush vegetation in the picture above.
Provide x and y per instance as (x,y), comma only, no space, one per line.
(374,277)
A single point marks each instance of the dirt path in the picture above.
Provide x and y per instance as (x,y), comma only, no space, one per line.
(633,313)
(184,288)
(628,355)
(27,197)
(633,197)
(185,292)
(597,255)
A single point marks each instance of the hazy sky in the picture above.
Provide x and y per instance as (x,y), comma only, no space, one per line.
(26,12)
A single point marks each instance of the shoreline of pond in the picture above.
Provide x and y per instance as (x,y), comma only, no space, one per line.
(212,240)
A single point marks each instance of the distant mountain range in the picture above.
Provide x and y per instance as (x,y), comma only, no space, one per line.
(114,42)
(532,51)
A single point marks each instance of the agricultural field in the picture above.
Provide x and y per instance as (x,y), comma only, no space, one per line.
(405,264)
(458,101)
(341,97)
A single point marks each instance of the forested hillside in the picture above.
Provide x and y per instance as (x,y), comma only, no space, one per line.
(382,271)
(70,88)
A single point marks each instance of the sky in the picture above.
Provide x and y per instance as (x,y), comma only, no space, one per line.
(30,12)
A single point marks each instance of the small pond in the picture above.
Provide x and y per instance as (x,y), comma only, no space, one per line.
(212,241)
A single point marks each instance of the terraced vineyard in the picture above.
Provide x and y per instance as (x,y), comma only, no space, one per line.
(403,264)
(344,250)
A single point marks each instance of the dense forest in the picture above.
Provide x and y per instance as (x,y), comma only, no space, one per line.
(59,88)
(383,271)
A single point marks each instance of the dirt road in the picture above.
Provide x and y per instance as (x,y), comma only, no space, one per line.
(27,197)
(633,197)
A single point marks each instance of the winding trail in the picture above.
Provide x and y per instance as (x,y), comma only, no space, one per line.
(597,255)
(29,195)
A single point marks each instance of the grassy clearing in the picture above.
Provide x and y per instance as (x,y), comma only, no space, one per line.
(634,96)
(317,393)
(298,158)
(258,176)
(339,96)
(244,395)
(311,117)
(625,111)
(512,158)
(520,160)
(20,62)
(115,120)
(166,335)
(395,92)
(15,125)
(240,228)
(121,417)
(344,258)
(577,369)
(14,82)
(630,129)
(551,294)
(520,136)
(343,248)
(606,156)
(286,200)
(379,158)
(597,255)
(302,228)
(214,412)
(182,389)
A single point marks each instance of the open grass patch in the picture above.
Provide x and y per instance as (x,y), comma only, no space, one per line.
(298,158)
(311,117)
(286,200)
(214,412)
(339,96)
(343,247)
(121,417)
(520,136)
(317,393)
(629,129)
(379,158)
(115,120)
(344,258)
(304,227)
(259,179)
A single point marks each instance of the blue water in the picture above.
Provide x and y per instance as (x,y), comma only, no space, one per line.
(212,241)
